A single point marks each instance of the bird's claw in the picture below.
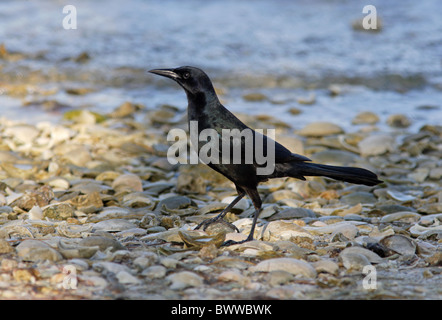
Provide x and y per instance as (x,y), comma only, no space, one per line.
(232,242)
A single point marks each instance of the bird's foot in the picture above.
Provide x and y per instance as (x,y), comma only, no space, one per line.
(232,242)
(216,219)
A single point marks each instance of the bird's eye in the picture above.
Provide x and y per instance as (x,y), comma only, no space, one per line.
(186,75)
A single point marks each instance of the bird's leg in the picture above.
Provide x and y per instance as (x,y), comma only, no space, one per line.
(220,217)
(254,195)
(252,231)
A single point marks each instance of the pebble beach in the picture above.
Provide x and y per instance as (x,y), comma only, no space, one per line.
(96,194)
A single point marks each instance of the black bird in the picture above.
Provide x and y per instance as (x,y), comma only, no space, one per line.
(205,108)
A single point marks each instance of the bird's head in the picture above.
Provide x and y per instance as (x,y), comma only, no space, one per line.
(193,80)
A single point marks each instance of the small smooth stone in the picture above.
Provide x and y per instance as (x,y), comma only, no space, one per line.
(125,277)
(376,145)
(154,272)
(400,244)
(401,215)
(358,197)
(399,196)
(268,210)
(254,96)
(184,279)
(282,194)
(78,155)
(327,266)
(348,230)
(102,242)
(354,261)
(365,117)
(35,250)
(128,181)
(234,236)
(234,276)
(22,133)
(36,213)
(59,183)
(137,200)
(279,277)
(109,267)
(436,173)
(5,247)
(242,204)
(393,208)
(293,213)
(146,260)
(334,157)
(59,211)
(282,230)
(175,204)
(113,225)
(398,121)
(293,266)
(169,262)
(291,142)
(135,232)
(319,228)
(319,129)
(369,255)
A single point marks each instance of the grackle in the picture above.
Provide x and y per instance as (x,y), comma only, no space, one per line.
(205,108)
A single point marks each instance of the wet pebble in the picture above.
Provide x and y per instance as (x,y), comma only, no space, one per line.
(319,129)
(366,117)
(398,121)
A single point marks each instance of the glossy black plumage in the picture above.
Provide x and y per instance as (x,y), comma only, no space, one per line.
(205,108)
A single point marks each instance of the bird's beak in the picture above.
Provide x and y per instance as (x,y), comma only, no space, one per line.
(168,73)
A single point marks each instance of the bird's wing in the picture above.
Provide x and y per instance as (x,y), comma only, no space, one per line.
(228,120)
(282,154)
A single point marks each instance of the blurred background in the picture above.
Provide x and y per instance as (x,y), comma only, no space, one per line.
(299,61)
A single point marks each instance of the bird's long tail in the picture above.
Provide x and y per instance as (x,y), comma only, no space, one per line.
(348,174)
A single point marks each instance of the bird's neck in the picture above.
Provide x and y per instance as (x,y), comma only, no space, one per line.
(200,104)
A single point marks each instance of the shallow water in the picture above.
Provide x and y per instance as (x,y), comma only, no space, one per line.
(284,49)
